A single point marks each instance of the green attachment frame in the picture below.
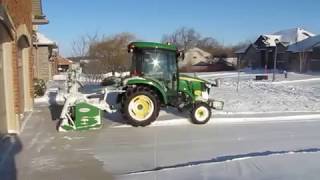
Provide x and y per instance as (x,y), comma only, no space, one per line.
(87,117)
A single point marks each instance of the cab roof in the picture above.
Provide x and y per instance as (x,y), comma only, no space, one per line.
(153,45)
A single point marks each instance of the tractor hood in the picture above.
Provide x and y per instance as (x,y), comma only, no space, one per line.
(142,80)
(192,79)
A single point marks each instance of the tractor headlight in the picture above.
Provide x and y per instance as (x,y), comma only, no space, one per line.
(205,95)
(209,86)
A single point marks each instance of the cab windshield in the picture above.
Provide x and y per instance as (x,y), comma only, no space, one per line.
(155,63)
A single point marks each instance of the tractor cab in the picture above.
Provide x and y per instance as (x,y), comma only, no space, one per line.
(157,62)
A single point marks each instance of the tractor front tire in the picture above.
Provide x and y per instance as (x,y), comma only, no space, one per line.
(140,106)
(201,113)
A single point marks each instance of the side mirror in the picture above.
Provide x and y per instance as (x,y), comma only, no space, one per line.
(174,77)
(180,55)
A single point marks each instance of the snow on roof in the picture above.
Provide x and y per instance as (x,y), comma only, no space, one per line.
(272,40)
(43,40)
(199,51)
(63,61)
(194,56)
(294,35)
(305,45)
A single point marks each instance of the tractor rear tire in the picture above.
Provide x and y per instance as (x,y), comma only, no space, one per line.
(201,113)
(140,106)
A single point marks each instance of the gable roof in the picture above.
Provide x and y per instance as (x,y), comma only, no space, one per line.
(305,45)
(245,49)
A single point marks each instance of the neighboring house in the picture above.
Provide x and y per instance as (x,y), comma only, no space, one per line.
(220,65)
(197,60)
(61,64)
(194,56)
(305,55)
(43,57)
(16,64)
(263,52)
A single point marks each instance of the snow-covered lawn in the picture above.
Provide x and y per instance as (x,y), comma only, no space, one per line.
(297,93)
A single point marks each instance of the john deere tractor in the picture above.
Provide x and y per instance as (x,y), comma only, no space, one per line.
(155,82)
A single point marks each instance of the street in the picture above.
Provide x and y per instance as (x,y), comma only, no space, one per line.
(269,150)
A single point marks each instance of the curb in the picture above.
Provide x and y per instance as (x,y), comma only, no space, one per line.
(242,120)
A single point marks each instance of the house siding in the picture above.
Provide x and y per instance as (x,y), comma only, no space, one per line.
(43,69)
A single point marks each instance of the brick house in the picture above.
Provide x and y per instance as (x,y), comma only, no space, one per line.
(61,64)
(16,62)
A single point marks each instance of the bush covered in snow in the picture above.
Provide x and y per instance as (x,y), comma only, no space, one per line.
(39,86)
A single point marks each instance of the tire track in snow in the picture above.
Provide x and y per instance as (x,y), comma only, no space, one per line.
(226,158)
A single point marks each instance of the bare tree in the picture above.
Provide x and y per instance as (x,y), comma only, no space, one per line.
(80,46)
(111,52)
(183,38)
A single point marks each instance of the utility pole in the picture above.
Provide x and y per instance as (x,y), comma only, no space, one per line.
(275,63)
(238,63)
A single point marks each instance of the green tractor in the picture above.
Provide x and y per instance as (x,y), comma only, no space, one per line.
(155,82)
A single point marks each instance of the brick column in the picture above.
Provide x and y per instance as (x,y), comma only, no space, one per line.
(15,77)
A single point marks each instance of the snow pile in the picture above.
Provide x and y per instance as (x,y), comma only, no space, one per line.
(116,74)
(56,90)
(60,77)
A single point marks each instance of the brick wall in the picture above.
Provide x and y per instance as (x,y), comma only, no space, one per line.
(20,11)
(16,86)
(31,74)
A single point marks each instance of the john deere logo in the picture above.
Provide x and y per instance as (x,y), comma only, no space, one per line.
(84,110)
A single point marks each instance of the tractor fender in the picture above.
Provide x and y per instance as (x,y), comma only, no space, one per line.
(152,84)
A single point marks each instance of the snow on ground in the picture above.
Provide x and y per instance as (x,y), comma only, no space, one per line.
(56,89)
(298,93)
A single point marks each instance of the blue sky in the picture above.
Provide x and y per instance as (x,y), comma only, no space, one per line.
(229,21)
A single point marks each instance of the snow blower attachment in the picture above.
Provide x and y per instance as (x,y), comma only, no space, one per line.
(154,82)
(83,116)
(83,111)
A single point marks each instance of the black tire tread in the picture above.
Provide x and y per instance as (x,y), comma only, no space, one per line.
(196,105)
(129,94)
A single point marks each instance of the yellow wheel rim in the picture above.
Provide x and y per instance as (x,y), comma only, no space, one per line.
(141,107)
(202,113)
